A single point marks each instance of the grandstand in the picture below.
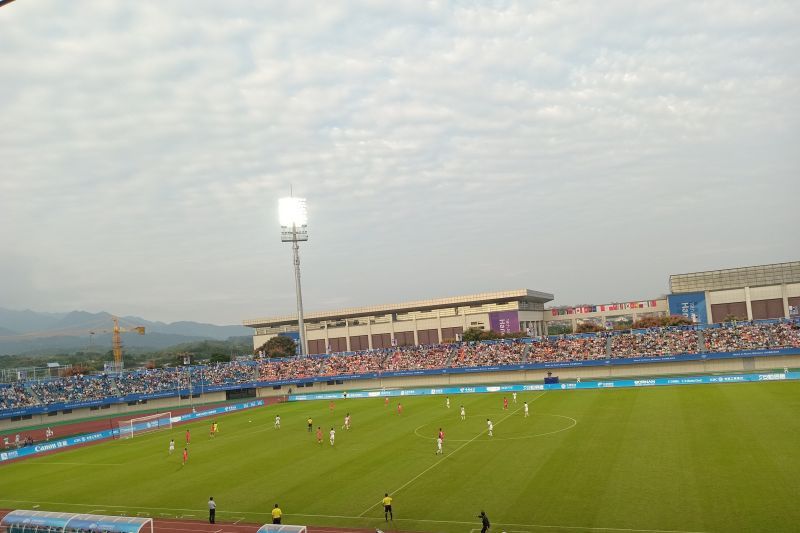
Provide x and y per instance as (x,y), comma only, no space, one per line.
(655,350)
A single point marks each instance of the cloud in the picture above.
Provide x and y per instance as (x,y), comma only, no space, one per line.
(599,147)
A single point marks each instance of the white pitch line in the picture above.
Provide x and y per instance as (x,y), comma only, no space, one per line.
(536,526)
(523,437)
(425,520)
(540,526)
(437,463)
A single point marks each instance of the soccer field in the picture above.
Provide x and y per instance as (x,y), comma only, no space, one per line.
(693,458)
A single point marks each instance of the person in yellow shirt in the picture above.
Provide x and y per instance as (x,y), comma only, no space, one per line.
(276,514)
(387,507)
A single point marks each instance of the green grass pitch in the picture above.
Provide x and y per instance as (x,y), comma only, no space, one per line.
(713,458)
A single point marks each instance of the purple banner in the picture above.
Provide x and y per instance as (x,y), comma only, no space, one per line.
(504,322)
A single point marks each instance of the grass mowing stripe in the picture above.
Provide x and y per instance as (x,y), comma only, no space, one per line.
(434,465)
(74,464)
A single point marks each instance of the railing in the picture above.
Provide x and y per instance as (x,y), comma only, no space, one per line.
(31,373)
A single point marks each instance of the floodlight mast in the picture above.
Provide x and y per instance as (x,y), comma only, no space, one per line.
(294,228)
(300,324)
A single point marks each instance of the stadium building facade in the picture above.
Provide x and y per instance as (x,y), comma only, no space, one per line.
(411,323)
(747,293)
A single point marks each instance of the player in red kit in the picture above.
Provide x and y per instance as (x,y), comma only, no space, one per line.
(399,408)
(319,435)
(188,437)
(330,406)
(386,401)
(505,403)
(441,434)
(185,455)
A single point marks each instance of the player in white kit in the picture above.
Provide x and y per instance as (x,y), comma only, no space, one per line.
(333,435)
(525,407)
(346,422)
(277,421)
(439,446)
(171,446)
(490,427)
(463,413)
(514,397)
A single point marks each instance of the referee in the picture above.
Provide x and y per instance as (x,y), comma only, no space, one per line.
(387,507)
(276,514)
(212,510)
(484,522)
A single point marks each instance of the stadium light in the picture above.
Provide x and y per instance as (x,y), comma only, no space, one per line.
(293,217)
(292,211)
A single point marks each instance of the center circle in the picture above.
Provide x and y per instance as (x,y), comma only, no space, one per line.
(514,428)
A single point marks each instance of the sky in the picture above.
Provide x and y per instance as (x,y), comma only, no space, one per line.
(585,149)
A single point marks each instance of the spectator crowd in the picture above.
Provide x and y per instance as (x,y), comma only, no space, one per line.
(646,343)
(15,396)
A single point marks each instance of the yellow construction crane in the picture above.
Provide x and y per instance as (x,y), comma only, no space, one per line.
(116,339)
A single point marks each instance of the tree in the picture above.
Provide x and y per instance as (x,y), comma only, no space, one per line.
(220,358)
(477,334)
(472,334)
(559,328)
(77,370)
(589,327)
(661,321)
(279,346)
(676,320)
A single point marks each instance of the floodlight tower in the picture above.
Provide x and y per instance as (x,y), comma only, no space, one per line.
(294,228)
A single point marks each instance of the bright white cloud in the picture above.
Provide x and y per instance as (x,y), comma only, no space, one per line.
(444,147)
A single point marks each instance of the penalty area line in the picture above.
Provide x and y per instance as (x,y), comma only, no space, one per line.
(437,463)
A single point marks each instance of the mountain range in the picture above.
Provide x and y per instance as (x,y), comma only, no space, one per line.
(28,332)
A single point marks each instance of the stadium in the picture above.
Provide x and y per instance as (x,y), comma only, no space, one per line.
(552,284)
(708,404)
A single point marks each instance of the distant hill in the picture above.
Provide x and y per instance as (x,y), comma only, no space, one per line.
(27,321)
(191,329)
(27,332)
